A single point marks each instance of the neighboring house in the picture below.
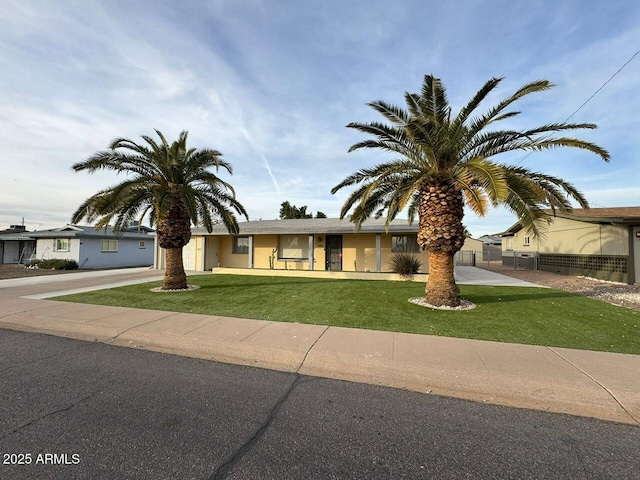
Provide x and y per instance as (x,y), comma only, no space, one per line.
(93,248)
(491,240)
(16,245)
(327,244)
(491,247)
(602,243)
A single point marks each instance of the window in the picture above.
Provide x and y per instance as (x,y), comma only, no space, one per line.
(509,243)
(526,240)
(61,245)
(293,247)
(109,246)
(404,244)
(240,244)
(142,244)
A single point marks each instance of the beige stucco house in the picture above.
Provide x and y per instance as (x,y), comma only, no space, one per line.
(324,244)
(599,242)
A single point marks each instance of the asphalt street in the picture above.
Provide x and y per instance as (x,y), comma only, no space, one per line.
(71,409)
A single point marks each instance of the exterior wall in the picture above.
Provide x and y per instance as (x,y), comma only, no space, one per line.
(358,253)
(572,247)
(573,237)
(473,245)
(87,252)
(387,255)
(45,250)
(129,253)
(226,256)
(263,248)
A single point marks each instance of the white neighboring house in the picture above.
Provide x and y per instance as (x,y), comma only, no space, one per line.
(93,248)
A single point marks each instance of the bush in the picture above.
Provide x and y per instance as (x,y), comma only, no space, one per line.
(405,265)
(54,264)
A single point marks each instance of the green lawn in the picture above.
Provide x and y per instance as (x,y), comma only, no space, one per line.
(535,316)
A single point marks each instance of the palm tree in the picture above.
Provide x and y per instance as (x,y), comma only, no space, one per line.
(170,183)
(444,163)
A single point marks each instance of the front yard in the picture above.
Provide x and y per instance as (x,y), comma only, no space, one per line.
(535,316)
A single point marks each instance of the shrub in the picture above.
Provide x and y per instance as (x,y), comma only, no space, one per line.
(55,264)
(405,265)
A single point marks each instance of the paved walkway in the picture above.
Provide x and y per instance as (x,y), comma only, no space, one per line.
(596,384)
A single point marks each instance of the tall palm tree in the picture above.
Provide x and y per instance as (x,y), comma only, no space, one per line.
(170,183)
(444,163)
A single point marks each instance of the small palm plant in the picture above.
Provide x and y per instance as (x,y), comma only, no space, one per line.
(172,184)
(405,264)
(444,162)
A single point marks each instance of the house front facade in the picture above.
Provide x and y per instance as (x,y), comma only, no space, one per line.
(92,248)
(602,243)
(324,244)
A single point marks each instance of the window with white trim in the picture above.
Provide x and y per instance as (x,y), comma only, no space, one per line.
(240,245)
(61,245)
(109,246)
(293,247)
(526,240)
(142,244)
(404,244)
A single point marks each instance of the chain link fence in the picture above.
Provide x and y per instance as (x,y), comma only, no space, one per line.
(497,260)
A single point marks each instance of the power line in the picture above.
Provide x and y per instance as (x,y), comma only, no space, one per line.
(591,97)
(603,85)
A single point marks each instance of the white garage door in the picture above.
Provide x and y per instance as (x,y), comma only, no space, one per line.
(189,255)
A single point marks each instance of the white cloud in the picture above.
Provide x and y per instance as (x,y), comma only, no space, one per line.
(272,86)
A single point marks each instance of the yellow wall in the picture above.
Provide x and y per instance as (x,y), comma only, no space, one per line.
(362,249)
(226,256)
(358,253)
(573,237)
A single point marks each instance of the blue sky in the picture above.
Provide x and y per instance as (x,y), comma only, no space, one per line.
(272,84)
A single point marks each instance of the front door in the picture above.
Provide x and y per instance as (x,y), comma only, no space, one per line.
(334,253)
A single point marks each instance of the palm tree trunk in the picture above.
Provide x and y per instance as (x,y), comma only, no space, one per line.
(174,276)
(441,289)
(441,233)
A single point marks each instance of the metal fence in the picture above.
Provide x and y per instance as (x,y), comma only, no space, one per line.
(497,260)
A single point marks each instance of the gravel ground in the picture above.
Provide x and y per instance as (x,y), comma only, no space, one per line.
(619,294)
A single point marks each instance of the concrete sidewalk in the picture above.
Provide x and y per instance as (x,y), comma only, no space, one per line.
(595,384)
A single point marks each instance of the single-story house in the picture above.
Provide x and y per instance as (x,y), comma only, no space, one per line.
(602,243)
(93,248)
(491,247)
(16,245)
(327,244)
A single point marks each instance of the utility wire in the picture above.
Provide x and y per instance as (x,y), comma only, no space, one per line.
(589,99)
(603,85)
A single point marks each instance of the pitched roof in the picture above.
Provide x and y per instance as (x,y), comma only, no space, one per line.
(613,214)
(311,226)
(623,215)
(69,231)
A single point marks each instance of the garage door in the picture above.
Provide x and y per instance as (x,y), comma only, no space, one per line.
(189,255)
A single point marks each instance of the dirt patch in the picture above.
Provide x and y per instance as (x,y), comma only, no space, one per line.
(620,294)
(8,270)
